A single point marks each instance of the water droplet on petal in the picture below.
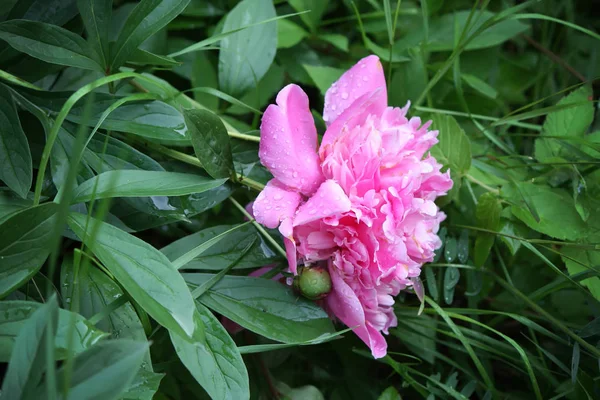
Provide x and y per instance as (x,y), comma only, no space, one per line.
(277,196)
(344,95)
(312,212)
(295,174)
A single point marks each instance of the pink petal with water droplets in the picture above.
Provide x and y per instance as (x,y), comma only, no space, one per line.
(345,305)
(288,141)
(372,103)
(364,77)
(328,201)
(275,203)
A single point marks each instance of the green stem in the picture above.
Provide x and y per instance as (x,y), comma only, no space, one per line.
(243,136)
(483,185)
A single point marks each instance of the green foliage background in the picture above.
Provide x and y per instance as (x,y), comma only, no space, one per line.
(128,150)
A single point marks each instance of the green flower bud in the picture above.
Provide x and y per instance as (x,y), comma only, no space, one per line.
(314,283)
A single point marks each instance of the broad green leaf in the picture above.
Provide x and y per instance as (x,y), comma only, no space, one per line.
(15,158)
(57,12)
(488,217)
(570,122)
(216,362)
(96,15)
(143,271)
(28,360)
(25,244)
(92,294)
(264,306)
(323,76)
(49,43)
(144,385)
(246,56)
(306,392)
(419,335)
(130,183)
(317,8)
(389,394)
(557,214)
(104,371)
(211,142)
(226,251)
(454,147)
(574,258)
(10,204)
(15,314)
(289,34)
(441,32)
(147,18)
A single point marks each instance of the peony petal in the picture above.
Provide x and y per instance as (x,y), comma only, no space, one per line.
(329,200)
(365,77)
(288,141)
(275,203)
(290,251)
(345,305)
(372,103)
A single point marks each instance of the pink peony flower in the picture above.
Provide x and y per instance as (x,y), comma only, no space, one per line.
(363,204)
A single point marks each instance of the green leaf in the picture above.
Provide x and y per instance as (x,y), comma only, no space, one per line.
(15,158)
(246,56)
(323,76)
(10,204)
(144,58)
(143,271)
(289,34)
(92,293)
(28,359)
(480,86)
(211,142)
(569,122)
(49,43)
(104,371)
(216,362)
(488,217)
(557,214)
(454,147)
(144,386)
(409,80)
(131,183)
(389,394)
(576,259)
(147,18)
(317,9)
(220,255)
(25,244)
(339,41)
(265,307)
(74,334)
(96,16)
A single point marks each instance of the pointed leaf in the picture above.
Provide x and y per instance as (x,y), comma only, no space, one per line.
(454,148)
(143,271)
(25,244)
(15,158)
(488,217)
(96,15)
(211,142)
(49,43)
(216,362)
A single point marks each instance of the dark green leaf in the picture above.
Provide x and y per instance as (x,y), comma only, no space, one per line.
(25,244)
(289,34)
(147,18)
(557,214)
(104,371)
(575,362)
(28,359)
(73,332)
(389,394)
(317,9)
(130,183)
(143,271)
(265,307)
(463,246)
(247,55)
(10,204)
(226,251)
(450,249)
(454,147)
(211,142)
(323,76)
(49,43)
(143,57)
(96,15)
(216,362)
(451,278)
(488,217)
(569,122)
(576,261)
(15,158)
